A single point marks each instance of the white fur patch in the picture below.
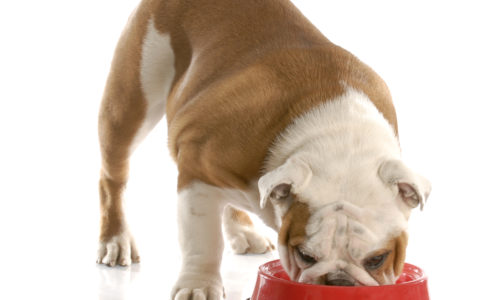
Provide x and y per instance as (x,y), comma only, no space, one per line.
(200,235)
(157,74)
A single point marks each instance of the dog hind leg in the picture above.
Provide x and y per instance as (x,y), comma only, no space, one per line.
(134,101)
(241,233)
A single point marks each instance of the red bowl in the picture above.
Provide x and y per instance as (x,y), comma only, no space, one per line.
(273,284)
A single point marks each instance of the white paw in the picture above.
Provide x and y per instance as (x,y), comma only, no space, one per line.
(248,240)
(118,250)
(198,286)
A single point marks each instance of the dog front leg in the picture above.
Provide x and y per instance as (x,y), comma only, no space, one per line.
(200,235)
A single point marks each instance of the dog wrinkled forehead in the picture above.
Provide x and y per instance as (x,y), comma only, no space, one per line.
(356,230)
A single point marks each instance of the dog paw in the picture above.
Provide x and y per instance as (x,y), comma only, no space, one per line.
(198,286)
(248,240)
(118,250)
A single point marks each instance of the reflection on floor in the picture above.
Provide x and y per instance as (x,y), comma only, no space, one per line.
(145,281)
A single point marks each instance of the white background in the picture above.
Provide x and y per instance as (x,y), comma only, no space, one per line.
(439,58)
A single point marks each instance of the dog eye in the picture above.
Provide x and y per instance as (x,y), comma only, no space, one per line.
(306,258)
(376,262)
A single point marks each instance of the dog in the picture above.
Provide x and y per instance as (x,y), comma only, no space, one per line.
(264,115)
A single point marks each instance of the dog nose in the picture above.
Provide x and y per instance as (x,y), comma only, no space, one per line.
(340,282)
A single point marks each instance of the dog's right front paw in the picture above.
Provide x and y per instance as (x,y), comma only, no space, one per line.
(118,250)
(198,286)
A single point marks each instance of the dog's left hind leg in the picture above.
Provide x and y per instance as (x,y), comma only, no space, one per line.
(242,234)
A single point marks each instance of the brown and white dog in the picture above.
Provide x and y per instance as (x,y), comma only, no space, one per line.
(266,115)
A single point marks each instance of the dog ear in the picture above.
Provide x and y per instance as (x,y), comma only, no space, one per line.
(289,178)
(412,187)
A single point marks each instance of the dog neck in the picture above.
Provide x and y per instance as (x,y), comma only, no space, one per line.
(349,125)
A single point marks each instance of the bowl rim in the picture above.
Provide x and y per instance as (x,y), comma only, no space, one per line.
(414,282)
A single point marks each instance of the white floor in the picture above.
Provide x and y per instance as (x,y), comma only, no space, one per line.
(149,280)
(65,278)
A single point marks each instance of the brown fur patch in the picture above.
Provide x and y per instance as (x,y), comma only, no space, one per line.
(400,253)
(293,228)
(395,261)
(112,217)
(240,217)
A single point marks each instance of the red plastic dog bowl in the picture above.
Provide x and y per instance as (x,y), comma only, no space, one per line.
(273,284)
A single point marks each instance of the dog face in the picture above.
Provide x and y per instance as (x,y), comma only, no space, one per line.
(344,229)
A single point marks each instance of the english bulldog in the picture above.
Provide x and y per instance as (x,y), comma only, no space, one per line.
(265,115)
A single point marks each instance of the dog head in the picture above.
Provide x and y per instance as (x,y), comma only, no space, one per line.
(347,228)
